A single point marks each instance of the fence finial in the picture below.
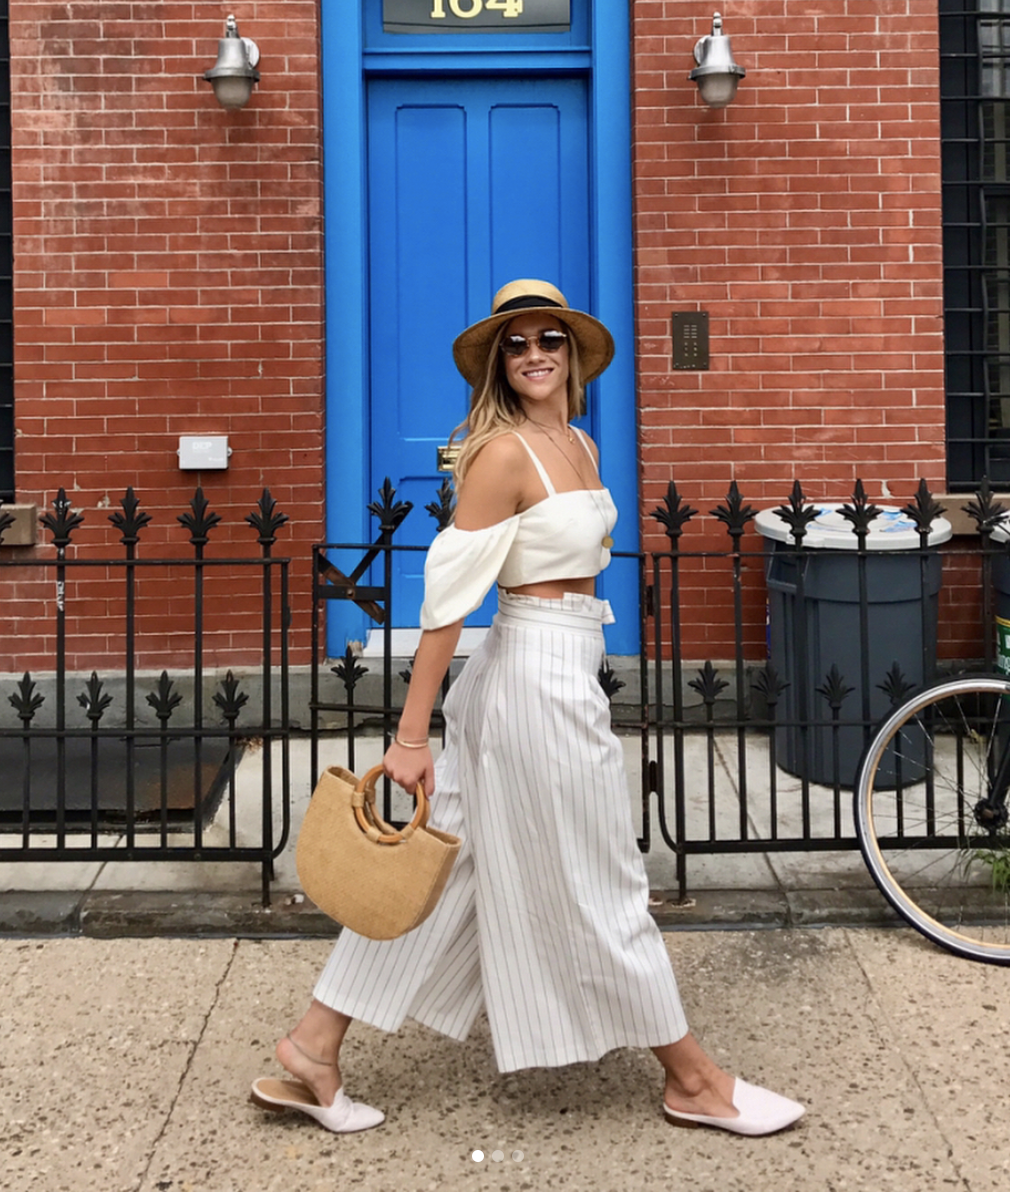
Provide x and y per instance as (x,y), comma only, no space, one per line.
(6,521)
(131,520)
(676,515)
(25,701)
(923,509)
(834,688)
(797,514)
(861,512)
(985,510)
(201,521)
(63,522)
(734,514)
(93,700)
(442,510)
(389,512)
(267,519)
(164,700)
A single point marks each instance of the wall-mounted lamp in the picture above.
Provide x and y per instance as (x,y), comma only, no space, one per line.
(716,74)
(233,74)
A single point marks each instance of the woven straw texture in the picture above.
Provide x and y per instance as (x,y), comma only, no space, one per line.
(377,890)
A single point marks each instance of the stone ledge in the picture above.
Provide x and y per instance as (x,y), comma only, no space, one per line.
(961,522)
(165,913)
(42,912)
(25,528)
(107,915)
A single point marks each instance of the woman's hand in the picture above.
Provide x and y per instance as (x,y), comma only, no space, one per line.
(408,767)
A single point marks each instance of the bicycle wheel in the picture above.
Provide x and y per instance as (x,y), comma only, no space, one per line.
(932,831)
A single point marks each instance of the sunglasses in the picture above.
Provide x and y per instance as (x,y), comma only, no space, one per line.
(547,341)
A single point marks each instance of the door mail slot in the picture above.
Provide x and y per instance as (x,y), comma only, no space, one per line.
(447,456)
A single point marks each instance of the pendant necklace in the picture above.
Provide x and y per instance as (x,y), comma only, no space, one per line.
(568,429)
(561,450)
(607,541)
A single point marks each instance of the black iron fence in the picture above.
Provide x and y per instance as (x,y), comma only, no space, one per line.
(140,764)
(745,741)
(754,749)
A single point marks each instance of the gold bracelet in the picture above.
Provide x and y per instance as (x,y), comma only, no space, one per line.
(410,744)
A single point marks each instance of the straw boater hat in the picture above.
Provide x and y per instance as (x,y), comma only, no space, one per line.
(596,345)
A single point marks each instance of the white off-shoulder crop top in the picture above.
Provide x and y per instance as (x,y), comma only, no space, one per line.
(565,536)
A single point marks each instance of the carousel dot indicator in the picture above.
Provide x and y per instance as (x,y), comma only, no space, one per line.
(497,1156)
(478,1156)
(517,1156)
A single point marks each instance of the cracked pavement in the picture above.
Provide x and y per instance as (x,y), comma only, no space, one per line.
(125,1066)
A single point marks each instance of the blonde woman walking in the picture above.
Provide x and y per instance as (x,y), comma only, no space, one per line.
(545,922)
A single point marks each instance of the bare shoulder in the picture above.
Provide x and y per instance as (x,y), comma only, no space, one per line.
(494,484)
(501,456)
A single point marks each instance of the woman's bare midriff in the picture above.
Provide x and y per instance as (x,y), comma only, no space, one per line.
(553,589)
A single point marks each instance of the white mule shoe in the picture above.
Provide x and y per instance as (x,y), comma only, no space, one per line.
(760,1112)
(344,1116)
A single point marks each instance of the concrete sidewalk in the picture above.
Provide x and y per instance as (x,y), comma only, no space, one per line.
(126,1065)
(126,1061)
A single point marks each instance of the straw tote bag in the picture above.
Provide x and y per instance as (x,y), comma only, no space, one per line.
(362,872)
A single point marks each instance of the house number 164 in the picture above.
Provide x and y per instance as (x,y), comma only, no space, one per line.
(508,8)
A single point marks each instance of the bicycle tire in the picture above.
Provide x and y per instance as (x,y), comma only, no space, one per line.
(919,781)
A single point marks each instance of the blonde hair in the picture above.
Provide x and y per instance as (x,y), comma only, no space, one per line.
(495,408)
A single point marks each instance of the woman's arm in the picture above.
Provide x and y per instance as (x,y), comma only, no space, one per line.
(493,492)
(406,766)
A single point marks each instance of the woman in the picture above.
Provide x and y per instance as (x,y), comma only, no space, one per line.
(544,922)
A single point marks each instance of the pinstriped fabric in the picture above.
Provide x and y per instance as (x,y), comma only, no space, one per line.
(545,919)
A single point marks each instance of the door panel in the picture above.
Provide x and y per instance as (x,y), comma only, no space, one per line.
(472,182)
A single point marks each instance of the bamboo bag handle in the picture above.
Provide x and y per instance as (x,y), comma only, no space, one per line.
(369,819)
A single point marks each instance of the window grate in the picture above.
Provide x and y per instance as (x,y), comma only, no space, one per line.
(975,133)
(6,267)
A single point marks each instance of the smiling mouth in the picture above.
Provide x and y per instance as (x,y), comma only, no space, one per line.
(535,373)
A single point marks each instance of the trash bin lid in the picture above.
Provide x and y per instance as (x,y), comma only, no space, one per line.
(1001,531)
(889,530)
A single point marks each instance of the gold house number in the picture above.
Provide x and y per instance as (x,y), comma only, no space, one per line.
(507,8)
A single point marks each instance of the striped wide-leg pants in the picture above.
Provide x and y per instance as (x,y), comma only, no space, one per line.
(544,921)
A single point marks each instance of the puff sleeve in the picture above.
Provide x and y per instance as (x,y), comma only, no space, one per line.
(460,568)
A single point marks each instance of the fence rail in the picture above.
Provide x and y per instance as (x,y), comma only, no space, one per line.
(753,752)
(141,767)
(750,749)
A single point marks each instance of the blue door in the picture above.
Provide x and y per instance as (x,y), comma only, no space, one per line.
(471,182)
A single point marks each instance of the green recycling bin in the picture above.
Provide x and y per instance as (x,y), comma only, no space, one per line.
(1001,584)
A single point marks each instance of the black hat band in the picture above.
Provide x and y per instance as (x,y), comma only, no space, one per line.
(526,300)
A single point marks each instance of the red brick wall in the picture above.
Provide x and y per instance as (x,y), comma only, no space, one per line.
(805,218)
(168,281)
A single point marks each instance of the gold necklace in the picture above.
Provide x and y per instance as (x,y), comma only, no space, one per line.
(607,541)
(568,429)
(561,451)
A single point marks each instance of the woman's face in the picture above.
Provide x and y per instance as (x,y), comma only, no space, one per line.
(537,376)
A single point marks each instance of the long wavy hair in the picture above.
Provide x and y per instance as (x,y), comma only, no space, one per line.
(495,407)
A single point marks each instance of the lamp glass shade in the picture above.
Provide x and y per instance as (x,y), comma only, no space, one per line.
(232,91)
(718,90)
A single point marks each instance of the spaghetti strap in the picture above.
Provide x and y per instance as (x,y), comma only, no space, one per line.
(541,470)
(583,440)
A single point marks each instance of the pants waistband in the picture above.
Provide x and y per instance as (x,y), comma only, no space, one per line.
(571,611)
